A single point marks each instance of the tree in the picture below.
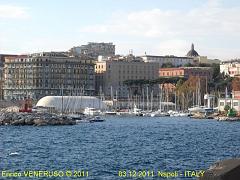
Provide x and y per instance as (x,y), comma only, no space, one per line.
(216,70)
(188,65)
(226,108)
(167,65)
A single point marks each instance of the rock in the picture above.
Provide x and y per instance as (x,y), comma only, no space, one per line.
(223,170)
(10,109)
(40,122)
(29,120)
(38,119)
(18,122)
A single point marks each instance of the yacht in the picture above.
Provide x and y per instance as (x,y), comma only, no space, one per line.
(96,119)
(112,113)
(91,111)
(158,113)
(179,114)
(136,111)
(200,109)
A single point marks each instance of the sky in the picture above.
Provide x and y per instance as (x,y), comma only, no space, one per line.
(157,27)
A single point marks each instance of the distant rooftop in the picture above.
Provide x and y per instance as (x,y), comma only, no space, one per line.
(232,61)
(49,54)
(167,56)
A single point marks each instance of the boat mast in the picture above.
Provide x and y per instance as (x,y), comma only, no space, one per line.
(143,98)
(160,100)
(175,100)
(152,100)
(147,100)
(62,100)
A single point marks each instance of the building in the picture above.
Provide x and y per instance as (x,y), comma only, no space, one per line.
(174,60)
(233,103)
(111,74)
(48,73)
(200,59)
(2,60)
(233,100)
(186,72)
(94,50)
(204,60)
(192,57)
(204,73)
(231,68)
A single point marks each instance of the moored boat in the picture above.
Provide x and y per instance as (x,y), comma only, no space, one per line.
(91,111)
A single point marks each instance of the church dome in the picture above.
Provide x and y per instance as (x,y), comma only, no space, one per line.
(192,52)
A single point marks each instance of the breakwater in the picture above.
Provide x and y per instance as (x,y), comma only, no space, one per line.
(35,119)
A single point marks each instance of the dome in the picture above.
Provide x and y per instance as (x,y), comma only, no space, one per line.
(192,52)
(71,103)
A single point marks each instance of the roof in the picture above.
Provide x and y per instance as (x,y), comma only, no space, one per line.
(71,103)
(192,52)
(180,57)
(182,68)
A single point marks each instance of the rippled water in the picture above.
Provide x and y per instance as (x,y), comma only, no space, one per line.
(104,149)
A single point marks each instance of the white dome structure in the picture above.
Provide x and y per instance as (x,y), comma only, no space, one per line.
(71,103)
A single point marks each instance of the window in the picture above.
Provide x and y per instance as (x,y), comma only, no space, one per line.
(235,103)
(221,103)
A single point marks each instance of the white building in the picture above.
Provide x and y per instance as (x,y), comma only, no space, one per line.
(174,60)
(192,57)
(231,102)
(70,103)
(231,68)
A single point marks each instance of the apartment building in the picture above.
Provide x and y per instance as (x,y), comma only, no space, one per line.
(47,73)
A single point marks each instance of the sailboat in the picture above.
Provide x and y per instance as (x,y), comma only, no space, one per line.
(159,112)
(177,113)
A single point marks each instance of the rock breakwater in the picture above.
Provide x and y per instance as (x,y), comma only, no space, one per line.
(34,119)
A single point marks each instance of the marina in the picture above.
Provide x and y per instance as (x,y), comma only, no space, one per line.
(120,90)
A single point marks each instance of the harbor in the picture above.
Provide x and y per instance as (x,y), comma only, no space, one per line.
(119,90)
(70,110)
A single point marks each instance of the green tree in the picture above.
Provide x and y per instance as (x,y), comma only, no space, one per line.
(167,65)
(188,65)
(226,108)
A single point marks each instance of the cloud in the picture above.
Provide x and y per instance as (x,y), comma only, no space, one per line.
(210,23)
(13,12)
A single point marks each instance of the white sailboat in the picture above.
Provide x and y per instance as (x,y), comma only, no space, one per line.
(159,112)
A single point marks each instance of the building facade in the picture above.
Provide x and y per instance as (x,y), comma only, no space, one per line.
(233,103)
(192,57)
(47,73)
(174,60)
(2,61)
(94,50)
(111,75)
(231,68)
(186,72)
